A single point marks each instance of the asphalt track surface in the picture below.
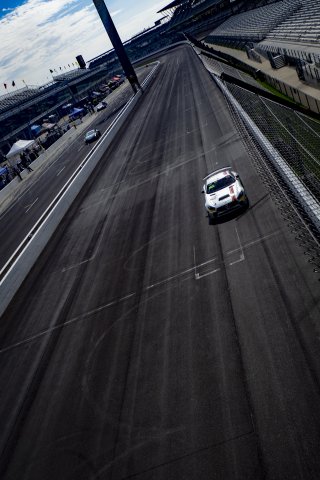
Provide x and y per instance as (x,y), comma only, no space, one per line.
(38,191)
(148,344)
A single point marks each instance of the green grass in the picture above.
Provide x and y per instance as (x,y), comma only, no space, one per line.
(276,92)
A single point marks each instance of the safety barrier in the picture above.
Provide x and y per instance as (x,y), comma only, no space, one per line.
(308,201)
(22,260)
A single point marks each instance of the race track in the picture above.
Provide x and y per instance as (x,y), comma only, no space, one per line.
(148,344)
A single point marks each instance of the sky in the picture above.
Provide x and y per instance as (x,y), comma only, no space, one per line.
(39,35)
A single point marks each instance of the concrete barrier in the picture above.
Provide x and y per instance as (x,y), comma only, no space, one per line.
(20,263)
(10,191)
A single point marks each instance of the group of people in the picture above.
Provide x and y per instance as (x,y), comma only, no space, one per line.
(89,107)
(26,157)
(8,172)
(5,176)
(25,160)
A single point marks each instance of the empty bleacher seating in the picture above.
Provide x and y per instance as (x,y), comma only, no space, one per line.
(302,26)
(254,25)
(11,99)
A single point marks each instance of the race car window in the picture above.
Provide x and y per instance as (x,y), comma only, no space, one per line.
(211,188)
(219,184)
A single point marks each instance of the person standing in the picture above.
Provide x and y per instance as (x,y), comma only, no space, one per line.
(25,162)
(17,171)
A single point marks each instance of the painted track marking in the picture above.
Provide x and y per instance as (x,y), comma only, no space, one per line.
(31,205)
(183,273)
(60,171)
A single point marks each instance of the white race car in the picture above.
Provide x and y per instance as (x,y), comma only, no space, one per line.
(101,106)
(223,192)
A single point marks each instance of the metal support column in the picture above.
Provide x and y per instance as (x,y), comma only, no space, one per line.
(117,43)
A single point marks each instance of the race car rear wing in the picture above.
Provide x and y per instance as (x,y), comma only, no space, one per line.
(216,171)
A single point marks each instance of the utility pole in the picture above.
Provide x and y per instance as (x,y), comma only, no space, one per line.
(117,43)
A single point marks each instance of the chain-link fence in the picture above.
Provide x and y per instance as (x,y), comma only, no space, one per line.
(297,139)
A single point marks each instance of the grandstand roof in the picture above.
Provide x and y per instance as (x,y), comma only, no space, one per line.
(70,75)
(14,99)
(173,4)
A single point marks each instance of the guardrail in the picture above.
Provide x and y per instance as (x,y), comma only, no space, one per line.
(306,200)
(309,203)
(22,260)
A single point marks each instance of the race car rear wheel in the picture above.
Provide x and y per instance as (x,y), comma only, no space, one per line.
(212,219)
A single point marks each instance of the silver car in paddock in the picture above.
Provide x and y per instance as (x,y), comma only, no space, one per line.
(91,136)
(224,192)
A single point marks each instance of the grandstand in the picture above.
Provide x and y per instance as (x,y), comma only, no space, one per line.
(19,110)
(139,46)
(12,99)
(29,105)
(27,93)
(199,17)
(298,37)
(188,15)
(108,58)
(285,32)
(218,68)
(303,26)
(72,75)
(186,11)
(254,25)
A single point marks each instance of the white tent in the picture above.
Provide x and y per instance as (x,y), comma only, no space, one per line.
(19,146)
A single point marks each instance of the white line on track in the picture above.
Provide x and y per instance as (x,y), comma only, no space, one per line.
(203,125)
(199,277)
(166,172)
(254,242)
(71,267)
(242,257)
(68,322)
(31,205)
(41,173)
(146,289)
(61,170)
(195,263)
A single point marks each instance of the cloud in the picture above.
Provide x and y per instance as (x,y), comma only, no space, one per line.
(41,35)
(45,34)
(113,14)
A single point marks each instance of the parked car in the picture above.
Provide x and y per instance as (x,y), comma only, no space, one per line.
(91,136)
(101,106)
(223,192)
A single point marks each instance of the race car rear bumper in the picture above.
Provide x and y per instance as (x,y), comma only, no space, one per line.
(227,208)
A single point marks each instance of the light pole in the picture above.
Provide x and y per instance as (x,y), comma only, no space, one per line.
(117,43)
